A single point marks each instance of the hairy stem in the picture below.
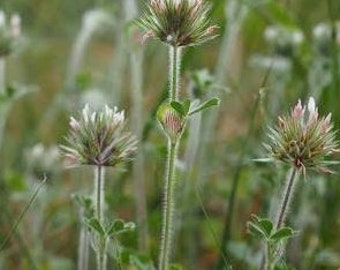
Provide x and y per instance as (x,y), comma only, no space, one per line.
(286,199)
(268,261)
(99,214)
(170,182)
(174,72)
(168,206)
(84,243)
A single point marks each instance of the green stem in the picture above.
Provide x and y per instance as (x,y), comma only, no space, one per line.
(170,182)
(168,207)
(268,257)
(99,192)
(286,199)
(99,214)
(287,195)
(83,249)
(174,72)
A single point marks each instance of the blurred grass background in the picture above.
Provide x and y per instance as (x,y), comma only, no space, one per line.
(249,103)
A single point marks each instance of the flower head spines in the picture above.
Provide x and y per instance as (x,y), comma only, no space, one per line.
(178,23)
(303,140)
(99,138)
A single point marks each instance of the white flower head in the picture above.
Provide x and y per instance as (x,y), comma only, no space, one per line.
(99,137)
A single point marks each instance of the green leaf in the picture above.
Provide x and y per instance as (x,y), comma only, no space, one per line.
(119,226)
(205,105)
(130,226)
(186,106)
(94,224)
(267,226)
(178,107)
(256,230)
(260,227)
(281,234)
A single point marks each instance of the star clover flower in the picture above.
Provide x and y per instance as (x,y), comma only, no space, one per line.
(178,22)
(99,138)
(303,139)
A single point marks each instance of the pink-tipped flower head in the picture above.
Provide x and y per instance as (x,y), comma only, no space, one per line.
(298,111)
(178,22)
(99,138)
(302,139)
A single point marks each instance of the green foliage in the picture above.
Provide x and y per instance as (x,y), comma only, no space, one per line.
(263,229)
(274,238)
(94,225)
(188,108)
(205,105)
(115,228)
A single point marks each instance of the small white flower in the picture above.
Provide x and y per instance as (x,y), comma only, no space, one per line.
(311,105)
(99,138)
(86,112)
(93,117)
(74,124)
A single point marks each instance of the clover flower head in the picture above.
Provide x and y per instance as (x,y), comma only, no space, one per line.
(99,138)
(303,139)
(178,22)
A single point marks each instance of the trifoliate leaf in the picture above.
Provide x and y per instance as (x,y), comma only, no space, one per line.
(205,105)
(94,224)
(281,234)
